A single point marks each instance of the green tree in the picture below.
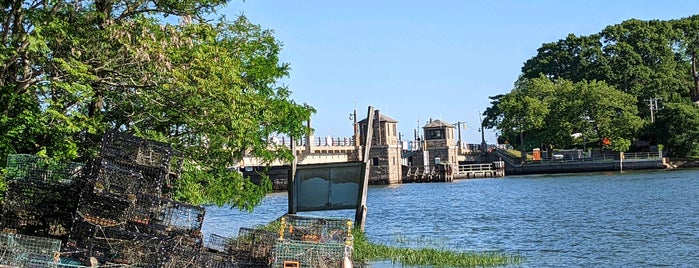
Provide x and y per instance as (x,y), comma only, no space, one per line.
(521,111)
(547,113)
(73,70)
(646,59)
(609,113)
(574,58)
(680,129)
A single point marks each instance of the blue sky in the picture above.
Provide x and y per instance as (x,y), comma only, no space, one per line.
(416,60)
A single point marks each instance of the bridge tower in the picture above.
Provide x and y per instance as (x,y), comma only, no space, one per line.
(385,154)
(439,143)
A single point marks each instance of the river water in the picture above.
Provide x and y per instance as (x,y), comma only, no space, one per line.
(630,219)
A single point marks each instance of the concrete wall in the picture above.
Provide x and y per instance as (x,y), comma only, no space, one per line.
(574,167)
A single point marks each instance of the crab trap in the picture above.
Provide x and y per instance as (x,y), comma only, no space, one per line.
(23,250)
(315,229)
(311,254)
(26,167)
(253,247)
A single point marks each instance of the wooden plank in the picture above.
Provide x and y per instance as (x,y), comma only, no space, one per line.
(360,214)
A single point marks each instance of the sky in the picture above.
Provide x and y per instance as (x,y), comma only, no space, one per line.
(421,60)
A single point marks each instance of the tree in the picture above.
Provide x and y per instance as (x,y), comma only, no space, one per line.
(611,113)
(73,70)
(574,58)
(645,59)
(680,129)
(522,110)
(548,112)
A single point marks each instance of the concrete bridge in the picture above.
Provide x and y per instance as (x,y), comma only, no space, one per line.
(311,150)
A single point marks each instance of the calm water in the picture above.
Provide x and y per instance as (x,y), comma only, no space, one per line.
(634,219)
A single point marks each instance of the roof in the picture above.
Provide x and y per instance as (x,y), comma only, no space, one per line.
(382,118)
(438,124)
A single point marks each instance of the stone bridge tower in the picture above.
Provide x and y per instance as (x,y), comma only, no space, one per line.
(385,154)
(440,143)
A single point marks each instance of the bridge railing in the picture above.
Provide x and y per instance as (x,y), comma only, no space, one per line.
(317,141)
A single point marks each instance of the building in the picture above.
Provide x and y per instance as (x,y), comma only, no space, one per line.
(437,148)
(440,143)
(385,153)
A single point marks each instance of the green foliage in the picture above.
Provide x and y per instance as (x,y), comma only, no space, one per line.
(642,59)
(679,123)
(364,250)
(548,112)
(73,70)
(3,188)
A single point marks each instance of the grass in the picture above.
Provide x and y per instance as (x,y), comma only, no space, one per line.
(364,251)
(517,154)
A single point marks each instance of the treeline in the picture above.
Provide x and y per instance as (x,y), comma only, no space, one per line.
(173,71)
(637,80)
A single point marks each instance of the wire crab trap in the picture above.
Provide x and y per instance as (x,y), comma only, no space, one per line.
(34,168)
(117,245)
(185,257)
(158,162)
(315,229)
(180,217)
(23,250)
(219,243)
(40,196)
(124,147)
(253,247)
(108,178)
(38,208)
(311,254)
(104,210)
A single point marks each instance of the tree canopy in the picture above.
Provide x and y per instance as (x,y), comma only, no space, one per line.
(72,70)
(609,79)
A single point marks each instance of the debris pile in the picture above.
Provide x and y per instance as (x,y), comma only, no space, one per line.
(118,211)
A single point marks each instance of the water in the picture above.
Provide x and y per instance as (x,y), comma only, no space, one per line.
(633,219)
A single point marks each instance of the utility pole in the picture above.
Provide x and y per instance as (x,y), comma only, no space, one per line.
(483,144)
(653,104)
(458,124)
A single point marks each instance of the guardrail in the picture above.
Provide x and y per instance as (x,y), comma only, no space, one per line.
(641,156)
(558,159)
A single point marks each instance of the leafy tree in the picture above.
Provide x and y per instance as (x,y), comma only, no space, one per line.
(547,113)
(73,70)
(609,113)
(574,58)
(645,59)
(522,110)
(680,129)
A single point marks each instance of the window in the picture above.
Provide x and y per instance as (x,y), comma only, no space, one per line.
(375,161)
(434,134)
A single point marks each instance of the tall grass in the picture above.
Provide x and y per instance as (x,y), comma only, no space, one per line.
(364,251)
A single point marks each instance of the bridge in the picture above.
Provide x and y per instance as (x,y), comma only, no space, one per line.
(311,150)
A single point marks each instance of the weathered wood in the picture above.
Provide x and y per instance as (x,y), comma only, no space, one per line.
(360,214)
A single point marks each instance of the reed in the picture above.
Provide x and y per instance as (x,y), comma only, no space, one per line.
(364,251)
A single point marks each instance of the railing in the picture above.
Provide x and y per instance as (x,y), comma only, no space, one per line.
(560,158)
(474,168)
(641,156)
(317,141)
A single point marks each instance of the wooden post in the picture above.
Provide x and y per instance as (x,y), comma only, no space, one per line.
(360,214)
(290,180)
(621,161)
